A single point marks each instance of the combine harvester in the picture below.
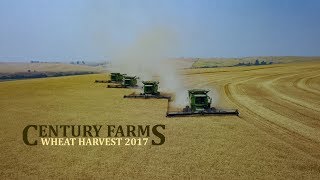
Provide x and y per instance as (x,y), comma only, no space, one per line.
(114,78)
(150,90)
(127,82)
(200,104)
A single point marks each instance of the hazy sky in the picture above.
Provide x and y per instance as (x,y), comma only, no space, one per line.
(91,29)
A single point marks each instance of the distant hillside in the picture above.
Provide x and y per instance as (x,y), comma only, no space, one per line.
(11,71)
(225,62)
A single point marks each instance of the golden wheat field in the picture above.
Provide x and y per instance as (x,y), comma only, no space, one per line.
(276,136)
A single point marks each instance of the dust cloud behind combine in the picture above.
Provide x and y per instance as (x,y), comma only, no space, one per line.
(148,57)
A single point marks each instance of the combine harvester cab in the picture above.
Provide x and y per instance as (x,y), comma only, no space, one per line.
(200,104)
(127,82)
(150,90)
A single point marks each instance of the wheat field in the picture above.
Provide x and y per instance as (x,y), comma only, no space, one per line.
(277,134)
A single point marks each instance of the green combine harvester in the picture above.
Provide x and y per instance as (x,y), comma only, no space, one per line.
(127,82)
(200,104)
(150,90)
(114,78)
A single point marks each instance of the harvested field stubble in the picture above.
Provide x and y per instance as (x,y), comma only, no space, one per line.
(276,136)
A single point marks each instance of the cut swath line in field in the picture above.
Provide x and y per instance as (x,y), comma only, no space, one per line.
(268,86)
(312,85)
(251,116)
(302,84)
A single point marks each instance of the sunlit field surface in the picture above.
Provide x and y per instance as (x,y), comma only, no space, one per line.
(277,134)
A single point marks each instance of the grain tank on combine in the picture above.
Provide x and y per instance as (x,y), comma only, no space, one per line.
(150,90)
(200,104)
